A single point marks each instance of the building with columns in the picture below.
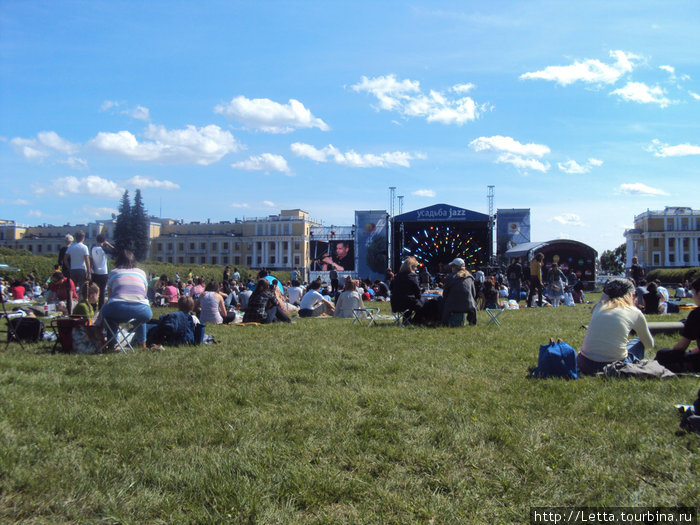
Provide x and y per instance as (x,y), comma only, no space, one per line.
(668,238)
(274,242)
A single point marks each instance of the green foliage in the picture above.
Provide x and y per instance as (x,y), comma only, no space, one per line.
(139,227)
(674,275)
(123,235)
(613,261)
(328,422)
(42,266)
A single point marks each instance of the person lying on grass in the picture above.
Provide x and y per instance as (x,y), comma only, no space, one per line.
(607,336)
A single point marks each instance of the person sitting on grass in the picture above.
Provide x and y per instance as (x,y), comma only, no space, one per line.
(613,318)
(458,294)
(652,300)
(61,292)
(313,303)
(489,297)
(679,358)
(348,301)
(260,305)
(211,307)
(89,295)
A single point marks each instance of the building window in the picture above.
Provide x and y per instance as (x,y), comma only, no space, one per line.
(237,260)
(258,246)
(259,260)
(656,258)
(249,246)
(214,246)
(285,245)
(224,260)
(272,260)
(655,243)
(170,247)
(159,246)
(686,258)
(192,260)
(296,245)
(38,248)
(224,246)
(192,247)
(202,245)
(181,246)
(236,246)
(671,258)
(273,229)
(296,260)
(180,260)
(248,260)
(671,243)
(170,259)
(214,260)
(285,260)
(202,259)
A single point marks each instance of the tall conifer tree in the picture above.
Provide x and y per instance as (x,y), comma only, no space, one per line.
(139,225)
(122,228)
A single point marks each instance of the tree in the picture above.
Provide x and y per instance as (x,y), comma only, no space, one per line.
(122,228)
(139,228)
(613,261)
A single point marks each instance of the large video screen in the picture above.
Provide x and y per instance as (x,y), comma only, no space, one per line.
(334,254)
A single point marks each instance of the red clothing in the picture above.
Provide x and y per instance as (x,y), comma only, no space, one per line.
(60,290)
(18,292)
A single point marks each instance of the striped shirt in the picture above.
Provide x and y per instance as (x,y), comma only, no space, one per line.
(127,284)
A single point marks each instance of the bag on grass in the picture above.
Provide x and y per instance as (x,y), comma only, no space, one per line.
(26,329)
(556,360)
(645,369)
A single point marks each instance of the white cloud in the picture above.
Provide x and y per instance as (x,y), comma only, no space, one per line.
(406,98)
(669,69)
(640,189)
(240,205)
(591,71)
(523,163)
(522,156)
(269,204)
(139,113)
(681,150)
(424,193)
(642,94)
(75,163)
(146,182)
(90,185)
(34,213)
(264,162)
(45,144)
(570,219)
(510,145)
(573,167)
(694,95)
(109,104)
(203,146)
(16,202)
(270,116)
(354,159)
(99,212)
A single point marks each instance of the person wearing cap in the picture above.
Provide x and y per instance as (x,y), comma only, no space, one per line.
(459,296)
(607,337)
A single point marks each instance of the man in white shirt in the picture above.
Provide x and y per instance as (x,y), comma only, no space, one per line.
(77,258)
(313,304)
(295,293)
(100,271)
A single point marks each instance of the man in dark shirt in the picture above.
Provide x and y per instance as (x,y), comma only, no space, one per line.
(515,277)
(636,271)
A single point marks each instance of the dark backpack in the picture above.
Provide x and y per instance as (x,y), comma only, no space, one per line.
(556,360)
(175,328)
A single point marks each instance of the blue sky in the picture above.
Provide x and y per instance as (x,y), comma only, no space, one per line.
(585,112)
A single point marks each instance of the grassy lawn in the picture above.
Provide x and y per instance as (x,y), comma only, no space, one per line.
(324,422)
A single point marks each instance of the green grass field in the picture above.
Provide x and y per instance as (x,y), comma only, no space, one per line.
(324,422)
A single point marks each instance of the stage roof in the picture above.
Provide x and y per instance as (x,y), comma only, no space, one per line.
(528,248)
(441,212)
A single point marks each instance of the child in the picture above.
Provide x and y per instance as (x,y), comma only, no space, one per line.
(89,295)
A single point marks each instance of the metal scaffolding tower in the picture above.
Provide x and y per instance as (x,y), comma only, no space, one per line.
(490,195)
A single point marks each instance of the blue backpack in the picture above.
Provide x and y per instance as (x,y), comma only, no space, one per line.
(556,360)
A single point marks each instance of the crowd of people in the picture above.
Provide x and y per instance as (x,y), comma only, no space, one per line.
(83,285)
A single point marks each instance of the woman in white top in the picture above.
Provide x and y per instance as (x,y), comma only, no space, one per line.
(211,306)
(348,301)
(614,317)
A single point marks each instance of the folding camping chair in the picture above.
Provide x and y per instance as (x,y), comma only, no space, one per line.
(121,337)
(13,319)
(402,319)
(364,316)
(493,314)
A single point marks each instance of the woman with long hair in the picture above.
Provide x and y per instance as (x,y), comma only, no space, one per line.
(607,337)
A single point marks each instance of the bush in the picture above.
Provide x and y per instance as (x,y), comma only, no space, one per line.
(26,262)
(674,275)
